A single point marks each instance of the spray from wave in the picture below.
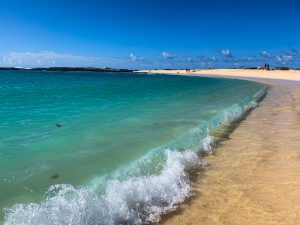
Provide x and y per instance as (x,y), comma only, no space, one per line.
(136,200)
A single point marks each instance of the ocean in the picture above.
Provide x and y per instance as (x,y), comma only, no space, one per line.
(107,148)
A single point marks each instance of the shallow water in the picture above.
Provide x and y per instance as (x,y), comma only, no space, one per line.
(253,177)
(110,148)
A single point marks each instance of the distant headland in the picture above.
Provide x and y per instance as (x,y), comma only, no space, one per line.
(68,69)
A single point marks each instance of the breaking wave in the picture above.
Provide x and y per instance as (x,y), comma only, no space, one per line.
(136,200)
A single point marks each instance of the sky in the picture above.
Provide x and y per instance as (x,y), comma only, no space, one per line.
(148,34)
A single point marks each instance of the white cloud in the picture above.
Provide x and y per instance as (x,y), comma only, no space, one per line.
(248,59)
(49,58)
(167,55)
(132,57)
(265,54)
(226,53)
(288,56)
(207,59)
(284,58)
(135,58)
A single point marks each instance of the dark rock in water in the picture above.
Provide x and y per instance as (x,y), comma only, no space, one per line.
(55,176)
(58,125)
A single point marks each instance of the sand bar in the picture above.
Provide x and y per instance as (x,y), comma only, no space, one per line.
(253,177)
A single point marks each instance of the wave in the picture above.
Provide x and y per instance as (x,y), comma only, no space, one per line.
(137,199)
(134,201)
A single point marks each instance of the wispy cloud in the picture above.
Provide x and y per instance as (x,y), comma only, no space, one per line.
(167,55)
(207,59)
(265,54)
(134,58)
(226,53)
(248,59)
(50,58)
(290,57)
(284,58)
(287,56)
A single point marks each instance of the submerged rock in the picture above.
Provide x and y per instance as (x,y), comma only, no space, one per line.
(55,176)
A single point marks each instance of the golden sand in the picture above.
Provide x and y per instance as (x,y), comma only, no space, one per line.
(253,178)
(291,75)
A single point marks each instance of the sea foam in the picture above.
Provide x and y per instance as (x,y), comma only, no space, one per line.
(136,200)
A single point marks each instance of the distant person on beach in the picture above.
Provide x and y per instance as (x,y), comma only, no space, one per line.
(267,66)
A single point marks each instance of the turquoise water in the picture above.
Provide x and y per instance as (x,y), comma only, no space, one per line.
(106,148)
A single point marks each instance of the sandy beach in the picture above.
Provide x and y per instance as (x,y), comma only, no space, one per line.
(290,75)
(253,176)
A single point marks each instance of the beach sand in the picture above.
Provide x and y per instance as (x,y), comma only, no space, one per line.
(290,75)
(253,176)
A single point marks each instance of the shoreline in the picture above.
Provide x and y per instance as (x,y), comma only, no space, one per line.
(252,177)
(254,75)
(220,192)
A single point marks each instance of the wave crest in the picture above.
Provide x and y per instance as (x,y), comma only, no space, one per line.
(136,200)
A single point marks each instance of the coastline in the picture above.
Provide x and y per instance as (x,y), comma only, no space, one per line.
(254,75)
(252,177)
(220,190)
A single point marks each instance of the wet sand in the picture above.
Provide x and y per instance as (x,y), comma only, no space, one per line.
(254,176)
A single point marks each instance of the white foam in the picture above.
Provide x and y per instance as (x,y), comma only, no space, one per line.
(233,114)
(208,144)
(136,200)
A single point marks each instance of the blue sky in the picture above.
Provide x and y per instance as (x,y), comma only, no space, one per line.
(146,34)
